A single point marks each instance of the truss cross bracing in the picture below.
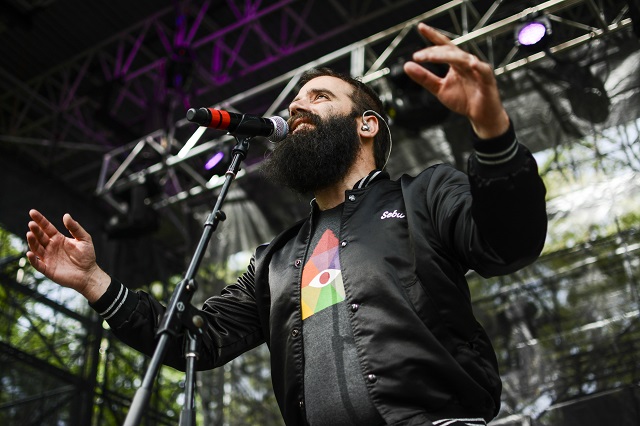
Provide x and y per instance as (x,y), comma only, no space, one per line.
(487,33)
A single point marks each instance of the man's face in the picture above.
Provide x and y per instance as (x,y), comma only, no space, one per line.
(324,96)
(323,141)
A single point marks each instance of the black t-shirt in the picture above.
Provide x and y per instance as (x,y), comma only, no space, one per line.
(334,387)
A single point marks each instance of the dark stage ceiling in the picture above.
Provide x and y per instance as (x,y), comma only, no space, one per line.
(93,98)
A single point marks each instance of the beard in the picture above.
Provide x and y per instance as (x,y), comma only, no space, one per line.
(314,158)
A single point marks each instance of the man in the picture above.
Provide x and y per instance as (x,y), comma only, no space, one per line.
(364,305)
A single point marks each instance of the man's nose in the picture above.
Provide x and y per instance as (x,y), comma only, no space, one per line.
(298,105)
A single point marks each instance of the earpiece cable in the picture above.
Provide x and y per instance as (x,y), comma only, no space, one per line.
(388,130)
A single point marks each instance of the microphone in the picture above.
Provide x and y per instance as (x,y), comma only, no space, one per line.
(274,128)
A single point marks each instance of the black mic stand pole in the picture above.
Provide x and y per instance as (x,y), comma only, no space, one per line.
(181,314)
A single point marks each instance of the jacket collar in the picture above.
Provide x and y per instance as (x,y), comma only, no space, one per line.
(374,176)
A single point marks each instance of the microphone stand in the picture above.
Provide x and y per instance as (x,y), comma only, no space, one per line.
(181,315)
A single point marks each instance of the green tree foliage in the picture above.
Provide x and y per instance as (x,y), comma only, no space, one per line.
(58,365)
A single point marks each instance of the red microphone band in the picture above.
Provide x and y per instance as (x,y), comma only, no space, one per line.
(220,119)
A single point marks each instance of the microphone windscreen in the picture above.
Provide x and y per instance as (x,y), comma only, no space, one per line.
(280,129)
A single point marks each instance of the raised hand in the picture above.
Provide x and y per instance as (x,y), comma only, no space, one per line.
(68,261)
(469,87)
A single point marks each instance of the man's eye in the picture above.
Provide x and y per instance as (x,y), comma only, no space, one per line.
(321,96)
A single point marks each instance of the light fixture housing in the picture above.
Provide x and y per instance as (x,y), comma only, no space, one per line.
(533,33)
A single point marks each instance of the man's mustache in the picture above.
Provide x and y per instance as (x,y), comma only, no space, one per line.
(304,117)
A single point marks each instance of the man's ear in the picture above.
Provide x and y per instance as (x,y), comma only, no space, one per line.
(368,126)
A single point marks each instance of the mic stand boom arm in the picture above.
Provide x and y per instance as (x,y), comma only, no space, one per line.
(180,313)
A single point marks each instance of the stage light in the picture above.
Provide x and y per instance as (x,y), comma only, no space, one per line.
(586,93)
(213,161)
(140,218)
(410,106)
(533,33)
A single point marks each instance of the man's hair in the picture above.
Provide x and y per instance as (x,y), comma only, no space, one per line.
(364,98)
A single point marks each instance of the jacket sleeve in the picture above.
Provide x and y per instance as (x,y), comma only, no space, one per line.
(233,325)
(495,219)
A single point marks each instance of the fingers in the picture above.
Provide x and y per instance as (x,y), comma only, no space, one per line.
(43,223)
(35,244)
(445,52)
(75,229)
(36,235)
(35,261)
(453,56)
(37,239)
(433,35)
(422,76)
(41,231)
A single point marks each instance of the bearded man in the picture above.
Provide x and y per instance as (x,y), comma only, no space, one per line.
(364,304)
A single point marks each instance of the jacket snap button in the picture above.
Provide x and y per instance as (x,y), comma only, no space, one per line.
(354,307)
(343,244)
(295,332)
(297,263)
(352,197)
(371,378)
(301,403)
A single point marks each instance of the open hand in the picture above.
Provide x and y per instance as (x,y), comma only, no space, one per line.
(469,88)
(68,261)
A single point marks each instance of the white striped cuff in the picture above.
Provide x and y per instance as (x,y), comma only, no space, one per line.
(117,303)
(497,158)
(451,422)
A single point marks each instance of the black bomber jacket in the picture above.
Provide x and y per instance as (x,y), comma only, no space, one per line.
(406,246)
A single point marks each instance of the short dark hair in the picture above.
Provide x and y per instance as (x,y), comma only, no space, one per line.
(364,98)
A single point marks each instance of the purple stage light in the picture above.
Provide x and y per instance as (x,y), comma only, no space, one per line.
(213,161)
(533,33)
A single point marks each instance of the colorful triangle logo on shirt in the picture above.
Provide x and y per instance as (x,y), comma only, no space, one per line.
(322,284)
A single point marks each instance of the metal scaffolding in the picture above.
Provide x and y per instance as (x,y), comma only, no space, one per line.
(488,34)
